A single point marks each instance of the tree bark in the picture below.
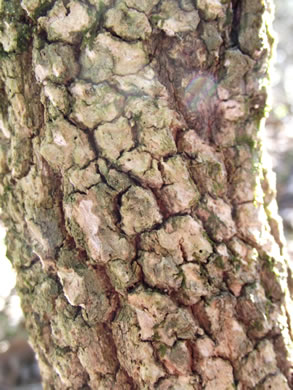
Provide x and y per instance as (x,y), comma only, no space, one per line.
(140,212)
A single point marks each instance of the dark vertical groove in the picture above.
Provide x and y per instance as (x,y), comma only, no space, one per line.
(236,9)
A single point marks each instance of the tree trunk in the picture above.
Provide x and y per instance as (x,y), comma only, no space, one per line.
(141,215)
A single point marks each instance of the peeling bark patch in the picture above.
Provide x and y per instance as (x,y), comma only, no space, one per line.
(128,58)
(140,362)
(256,230)
(207,167)
(177,359)
(146,210)
(217,217)
(160,319)
(195,284)
(81,179)
(58,96)
(179,193)
(160,271)
(114,138)
(129,24)
(123,274)
(218,318)
(159,142)
(258,364)
(67,23)
(142,5)
(181,237)
(173,20)
(209,369)
(96,351)
(212,9)
(92,213)
(55,62)
(94,104)
(66,146)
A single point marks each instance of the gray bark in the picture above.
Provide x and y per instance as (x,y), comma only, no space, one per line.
(140,210)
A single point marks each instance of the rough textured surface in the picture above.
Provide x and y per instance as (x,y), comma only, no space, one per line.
(132,177)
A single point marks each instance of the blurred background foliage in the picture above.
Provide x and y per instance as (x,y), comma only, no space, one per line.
(18,368)
(279,127)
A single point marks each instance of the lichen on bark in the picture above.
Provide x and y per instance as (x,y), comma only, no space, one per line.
(140,216)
